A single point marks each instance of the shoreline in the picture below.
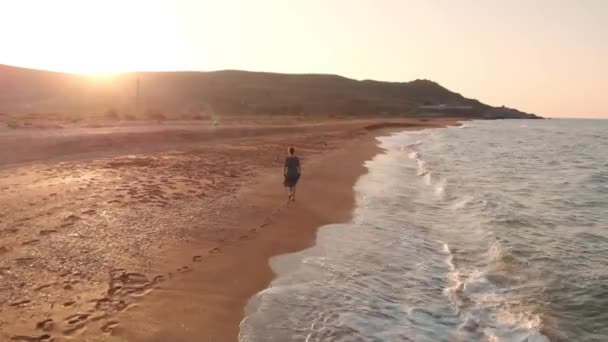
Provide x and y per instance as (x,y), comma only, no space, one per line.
(206,258)
(371,148)
(242,270)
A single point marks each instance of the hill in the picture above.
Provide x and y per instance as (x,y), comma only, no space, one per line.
(230,92)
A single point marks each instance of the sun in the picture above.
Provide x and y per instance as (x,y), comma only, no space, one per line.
(92,37)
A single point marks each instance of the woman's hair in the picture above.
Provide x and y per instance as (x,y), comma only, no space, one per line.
(291,150)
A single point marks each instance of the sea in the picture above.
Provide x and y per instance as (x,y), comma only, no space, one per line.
(491,231)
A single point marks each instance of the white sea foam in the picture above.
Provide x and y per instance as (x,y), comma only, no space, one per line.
(440,187)
(462,202)
(414,155)
(422,167)
(454,286)
(432,252)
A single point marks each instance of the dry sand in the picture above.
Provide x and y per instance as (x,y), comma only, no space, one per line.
(161,233)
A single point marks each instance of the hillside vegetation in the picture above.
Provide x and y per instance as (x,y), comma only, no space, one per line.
(197,95)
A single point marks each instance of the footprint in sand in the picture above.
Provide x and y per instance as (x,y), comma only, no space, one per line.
(46,325)
(104,304)
(77,318)
(133,284)
(31,242)
(108,305)
(76,323)
(46,232)
(159,279)
(197,258)
(184,269)
(42,287)
(23,261)
(41,338)
(72,218)
(121,306)
(114,290)
(109,327)
(20,303)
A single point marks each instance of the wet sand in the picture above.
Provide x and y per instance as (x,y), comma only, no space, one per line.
(162,233)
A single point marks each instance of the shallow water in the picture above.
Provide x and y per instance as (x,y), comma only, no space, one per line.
(493,231)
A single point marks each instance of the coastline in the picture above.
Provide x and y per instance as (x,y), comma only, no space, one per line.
(211,257)
(243,269)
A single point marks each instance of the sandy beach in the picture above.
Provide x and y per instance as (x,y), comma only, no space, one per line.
(147,174)
(162,232)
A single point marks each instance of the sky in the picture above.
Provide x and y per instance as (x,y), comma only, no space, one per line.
(548,57)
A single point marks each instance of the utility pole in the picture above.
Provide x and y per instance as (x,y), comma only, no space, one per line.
(137,94)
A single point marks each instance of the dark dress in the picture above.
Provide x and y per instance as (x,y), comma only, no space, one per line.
(292,174)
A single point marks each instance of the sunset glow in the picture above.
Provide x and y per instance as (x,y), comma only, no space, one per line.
(91,36)
(547,57)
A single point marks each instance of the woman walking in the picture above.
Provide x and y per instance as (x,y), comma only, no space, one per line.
(291,172)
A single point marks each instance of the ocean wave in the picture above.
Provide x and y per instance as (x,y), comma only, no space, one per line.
(455,285)
(453,241)
(481,296)
(414,155)
(424,170)
(462,202)
(441,187)
(467,125)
